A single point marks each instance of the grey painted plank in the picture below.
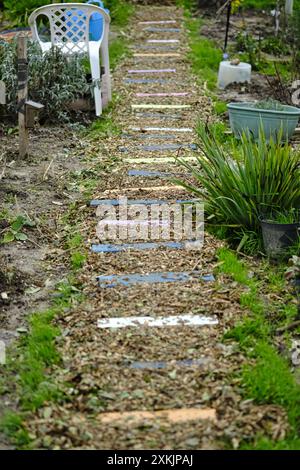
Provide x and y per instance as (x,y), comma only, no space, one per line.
(148,202)
(151,278)
(158,148)
(157,365)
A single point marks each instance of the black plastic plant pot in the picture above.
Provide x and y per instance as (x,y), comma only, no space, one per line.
(279,237)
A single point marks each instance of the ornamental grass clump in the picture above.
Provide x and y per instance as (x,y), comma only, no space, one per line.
(243,183)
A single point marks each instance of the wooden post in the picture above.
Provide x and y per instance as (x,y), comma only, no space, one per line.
(22,95)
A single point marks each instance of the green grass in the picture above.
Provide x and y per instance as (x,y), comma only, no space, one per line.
(204,54)
(269,380)
(118,49)
(265,4)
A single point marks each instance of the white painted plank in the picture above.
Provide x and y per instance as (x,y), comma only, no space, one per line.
(158,22)
(175,320)
(164,129)
(161,106)
(161,160)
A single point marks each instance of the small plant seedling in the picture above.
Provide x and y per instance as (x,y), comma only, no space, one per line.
(14,231)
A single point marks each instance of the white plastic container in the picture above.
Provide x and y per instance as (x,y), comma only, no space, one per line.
(233,73)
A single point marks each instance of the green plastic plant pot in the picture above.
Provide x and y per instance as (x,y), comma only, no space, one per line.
(244,117)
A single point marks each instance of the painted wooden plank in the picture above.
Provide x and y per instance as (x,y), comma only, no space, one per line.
(163,129)
(158,22)
(144,95)
(160,106)
(146,246)
(182,415)
(146,80)
(156,48)
(158,322)
(149,174)
(159,116)
(153,54)
(151,278)
(144,136)
(162,30)
(152,71)
(161,41)
(148,202)
(157,365)
(145,188)
(160,160)
(158,148)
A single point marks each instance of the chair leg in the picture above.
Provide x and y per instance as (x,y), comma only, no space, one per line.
(95,69)
(106,81)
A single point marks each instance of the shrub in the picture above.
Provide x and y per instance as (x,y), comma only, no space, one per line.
(237,188)
(53,80)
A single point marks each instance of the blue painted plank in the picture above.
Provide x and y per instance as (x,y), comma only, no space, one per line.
(154,174)
(151,278)
(162,30)
(148,202)
(146,80)
(109,248)
(158,148)
(141,365)
(150,136)
(160,48)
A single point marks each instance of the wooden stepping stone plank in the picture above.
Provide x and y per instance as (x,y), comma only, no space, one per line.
(162,30)
(152,71)
(181,415)
(151,278)
(145,136)
(145,80)
(161,106)
(163,129)
(159,116)
(158,322)
(147,202)
(159,148)
(158,55)
(145,95)
(149,174)
(158,22)
(161,41)
(157,365)
(107,248)
(162,160)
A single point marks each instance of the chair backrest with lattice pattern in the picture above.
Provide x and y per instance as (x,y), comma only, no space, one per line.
(69,25)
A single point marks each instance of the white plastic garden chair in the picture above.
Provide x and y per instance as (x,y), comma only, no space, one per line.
(70,32)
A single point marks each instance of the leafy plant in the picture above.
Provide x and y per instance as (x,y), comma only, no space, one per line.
(15,231)
(239,186)
(53,80)
(269,104)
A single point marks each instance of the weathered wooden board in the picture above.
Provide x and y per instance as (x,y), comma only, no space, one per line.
(182,415)
(148,202)
(146,246)
(160,106)
(143,71)
(158,322)
(151,278)
(157,365)
(145,95)
(164,129)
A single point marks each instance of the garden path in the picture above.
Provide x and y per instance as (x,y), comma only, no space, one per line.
(143,358)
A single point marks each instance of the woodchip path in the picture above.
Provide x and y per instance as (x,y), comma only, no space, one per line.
(143,356)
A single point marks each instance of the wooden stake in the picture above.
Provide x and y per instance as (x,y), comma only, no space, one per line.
(22,95)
